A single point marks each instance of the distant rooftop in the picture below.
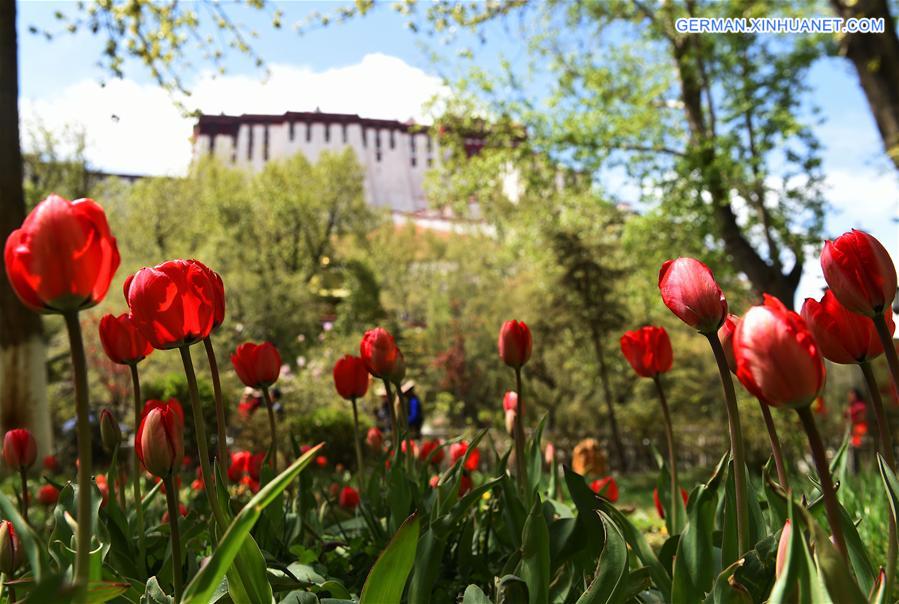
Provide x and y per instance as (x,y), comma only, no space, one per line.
(230,124)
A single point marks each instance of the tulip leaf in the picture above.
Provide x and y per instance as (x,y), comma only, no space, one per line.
(775,496)
(610,582)
(879,591)
(535,555)
(427,566)
(663,487)
(730,547)
(204,583)
(31,543)
(799,581)
(474,595)
(387,578)
(695,562)
(890,485)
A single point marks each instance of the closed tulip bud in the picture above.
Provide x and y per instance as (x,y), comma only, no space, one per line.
(648,350)
(159,439)
(399,369)
(783,547)
(510,419)
(349,498)
(514,344)
(843,336)
(726,337)
(122,341)
(374,439)
(257,365)
(379,352)
(51,464)
(777,358)
(549,454)
(110,433)
(19,449)
(11,554)
(430,451)
(48,495)
(458,451)
(607,487)
(690,291)
(63,257)
(350,377)
(860,272)
(658,503)
(510,408)
(172,304)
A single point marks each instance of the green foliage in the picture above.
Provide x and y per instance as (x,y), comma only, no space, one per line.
(331,424)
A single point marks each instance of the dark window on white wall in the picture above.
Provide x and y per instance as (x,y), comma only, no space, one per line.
(392,140)
(290,131)
(308,132)
(344,133)
(250,144)
(265,144)
(327,133)
(364,137)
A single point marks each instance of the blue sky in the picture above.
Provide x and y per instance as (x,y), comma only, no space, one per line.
(375,67)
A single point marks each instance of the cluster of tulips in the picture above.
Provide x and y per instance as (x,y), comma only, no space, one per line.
(63,260)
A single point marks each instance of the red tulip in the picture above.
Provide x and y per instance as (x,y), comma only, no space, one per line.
(63,257)
(514,343)
(431,446)
(257,365)
(254,467)
(349,498)
(690,291)
(159,439)
(122,341)
(48,495)
(240,463)
(379,352)
(648,350)
(19,449)
(843,336)
(218,293)
(726,337)
(11,554)
(247,408)
(350,377)
(607,487)
(860,272)
(464,484)
(103,487)
(783,546)
(374,439)
(458,451)
(434,482)
(777,358)
(658,503)
(172,304)
(51,464)
(321,461)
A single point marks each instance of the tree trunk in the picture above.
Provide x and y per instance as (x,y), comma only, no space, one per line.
(23,372)
(876,59)
(607,395)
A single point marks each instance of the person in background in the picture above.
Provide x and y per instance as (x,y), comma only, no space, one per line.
(416,414)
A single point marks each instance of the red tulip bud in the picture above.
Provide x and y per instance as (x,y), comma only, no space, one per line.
(110,433)
(648,350)
(11,554)
(48,495)
(607,487)
(257,365)
(689,290)
(63,257)
(122,342)
(844,337)
(726,337)
(349,498)
(659,508)
(777,358)
(783,546)
(350,377)
(19,449)
(458,451)
(374,439)
(514,344)
(159,439)
(379,352)
(860,272)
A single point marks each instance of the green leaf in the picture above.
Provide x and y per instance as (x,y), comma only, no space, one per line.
(535,555)
(695,564)
(609,585)
(799,581)
(511,589)
(204,583)
(387,578)
(663,485)
(474,595)
(34,549)
(427,566)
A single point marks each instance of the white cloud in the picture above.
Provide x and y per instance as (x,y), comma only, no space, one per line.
(136,128)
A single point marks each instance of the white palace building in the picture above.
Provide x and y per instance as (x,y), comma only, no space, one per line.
(394,154)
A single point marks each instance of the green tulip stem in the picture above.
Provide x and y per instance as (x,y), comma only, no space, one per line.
(736,443)
(886,449)
(393,422)
(136,471)
(171,498)
(776,451)
(357,442)
(273,428)
(85,465)
(200,433)
(521,466)
(220,424)
(672,456)
(831,507)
